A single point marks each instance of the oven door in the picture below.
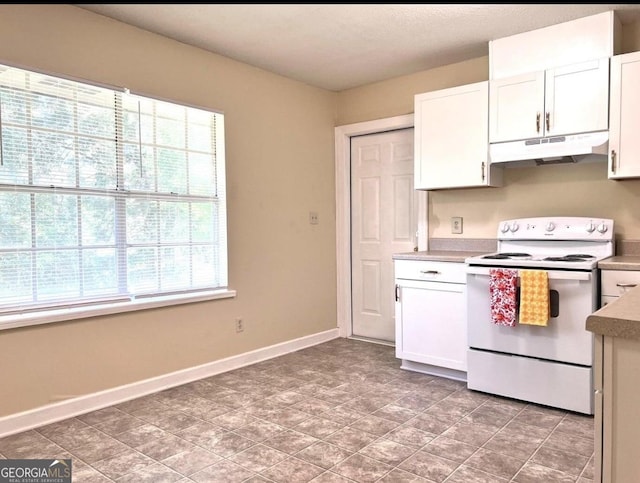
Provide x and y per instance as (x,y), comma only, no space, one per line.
(563,339)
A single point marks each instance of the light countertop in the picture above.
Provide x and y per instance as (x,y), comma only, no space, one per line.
(624,262)
(438,255)
(620,318)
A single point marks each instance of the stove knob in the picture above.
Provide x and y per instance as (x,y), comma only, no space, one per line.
(591,227)
(514,227)
(550,226)
(602,228)
(504,228)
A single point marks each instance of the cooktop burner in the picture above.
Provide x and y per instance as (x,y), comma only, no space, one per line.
(502,256)
(570,258)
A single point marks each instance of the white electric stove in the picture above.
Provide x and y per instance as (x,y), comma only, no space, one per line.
(550,365)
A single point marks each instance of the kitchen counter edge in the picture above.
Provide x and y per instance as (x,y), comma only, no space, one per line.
(620,318)
(458,256)
(624,262)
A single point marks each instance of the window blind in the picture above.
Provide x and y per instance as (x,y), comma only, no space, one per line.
(106,195)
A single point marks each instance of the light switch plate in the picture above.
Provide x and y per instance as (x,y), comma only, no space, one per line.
(456,224)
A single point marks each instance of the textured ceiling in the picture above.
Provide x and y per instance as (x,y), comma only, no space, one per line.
(338,47)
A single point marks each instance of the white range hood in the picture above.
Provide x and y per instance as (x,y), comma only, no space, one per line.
(551,150)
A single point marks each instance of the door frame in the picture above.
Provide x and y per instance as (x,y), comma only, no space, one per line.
(343,136)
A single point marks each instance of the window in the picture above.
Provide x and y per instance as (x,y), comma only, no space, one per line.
(106,196)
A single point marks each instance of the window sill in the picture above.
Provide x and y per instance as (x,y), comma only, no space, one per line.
(14,321)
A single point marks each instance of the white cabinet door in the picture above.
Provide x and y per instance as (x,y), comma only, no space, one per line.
(516,107)
(451,137)
(566,100)
(432,327)
(624,141)
(577,98)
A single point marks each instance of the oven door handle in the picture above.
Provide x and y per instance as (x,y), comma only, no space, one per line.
(553,274)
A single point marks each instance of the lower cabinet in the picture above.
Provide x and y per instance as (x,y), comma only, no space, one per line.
(617,394)
(430,314)
(616,418)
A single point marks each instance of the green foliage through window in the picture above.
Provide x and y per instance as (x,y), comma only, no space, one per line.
(106,195)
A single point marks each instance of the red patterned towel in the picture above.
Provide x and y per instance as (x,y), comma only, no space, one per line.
(502,287)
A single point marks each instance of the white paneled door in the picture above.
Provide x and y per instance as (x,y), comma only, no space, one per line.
(383,222)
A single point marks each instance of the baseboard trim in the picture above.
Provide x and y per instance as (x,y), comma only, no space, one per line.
(51,413)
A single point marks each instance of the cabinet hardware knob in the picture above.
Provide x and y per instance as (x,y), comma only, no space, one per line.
(537,122)
(547,118)
(598,391)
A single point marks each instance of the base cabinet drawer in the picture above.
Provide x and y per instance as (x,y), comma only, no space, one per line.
(429,271)
(615,283)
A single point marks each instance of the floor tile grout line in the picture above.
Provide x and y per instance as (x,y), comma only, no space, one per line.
(482,446)
(135,449)
(530,459)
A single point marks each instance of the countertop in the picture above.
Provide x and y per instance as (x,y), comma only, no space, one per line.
(438,255)
(620,318)
(624,262)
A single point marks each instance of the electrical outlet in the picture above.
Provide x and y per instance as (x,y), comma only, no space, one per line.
(239,325)
(456,224)
(313,217)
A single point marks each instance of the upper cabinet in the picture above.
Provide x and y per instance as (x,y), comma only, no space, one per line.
(624,124)
(451,138)
(581,40)
(545,83)
(563,100)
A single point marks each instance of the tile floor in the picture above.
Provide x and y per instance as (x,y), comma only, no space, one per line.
(342,411)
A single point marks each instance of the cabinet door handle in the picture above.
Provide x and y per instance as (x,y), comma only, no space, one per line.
(547,118)
(537,122)
(397,292)
(429,272)
(613,161)
(626,285)
(482,169)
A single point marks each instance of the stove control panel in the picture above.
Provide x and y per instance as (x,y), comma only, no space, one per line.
(558,228)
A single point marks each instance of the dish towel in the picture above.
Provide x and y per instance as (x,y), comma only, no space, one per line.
(502,286)
(534,297)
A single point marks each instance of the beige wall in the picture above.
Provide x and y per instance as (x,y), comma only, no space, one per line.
(280,166)
(395,97)
(576,190)
(631,37)
(280,155)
